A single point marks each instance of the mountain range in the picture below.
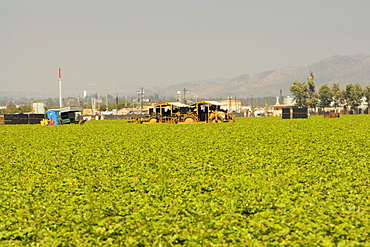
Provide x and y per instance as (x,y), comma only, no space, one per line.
(342,69)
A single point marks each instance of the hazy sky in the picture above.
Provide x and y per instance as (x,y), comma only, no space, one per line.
(109,46)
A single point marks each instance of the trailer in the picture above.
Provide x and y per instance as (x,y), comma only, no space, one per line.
(70,114)
(65,115)
(21,118)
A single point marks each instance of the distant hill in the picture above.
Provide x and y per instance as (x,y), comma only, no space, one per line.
(341,69)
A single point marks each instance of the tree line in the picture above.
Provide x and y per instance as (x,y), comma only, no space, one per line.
(350,98)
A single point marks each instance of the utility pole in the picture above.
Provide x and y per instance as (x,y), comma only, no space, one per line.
(93,105)
(140,96)
(281,96)
(230,97)
(98,101)
(60,87)
(117,102)
(141,99)
(107,103)
(185,95)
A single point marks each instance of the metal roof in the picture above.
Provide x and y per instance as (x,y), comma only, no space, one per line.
(178,104)
(215,103)
(71,109)
(211,102)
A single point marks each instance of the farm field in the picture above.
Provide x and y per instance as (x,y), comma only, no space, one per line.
(255,182)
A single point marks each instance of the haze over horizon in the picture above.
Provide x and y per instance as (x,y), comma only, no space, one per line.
(119,46)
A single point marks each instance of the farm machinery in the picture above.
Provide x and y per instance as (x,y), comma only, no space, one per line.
(200,112)
(172,112)
(211,112)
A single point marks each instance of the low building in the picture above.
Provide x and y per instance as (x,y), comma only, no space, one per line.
(277,110)
(231,105)
(38,107)
(87,112)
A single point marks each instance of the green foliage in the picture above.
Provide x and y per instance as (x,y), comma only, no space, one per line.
(311,86)
(337,95)
(123,105)
(325,96)
(353,95)
(255,182)
(367,93)
(305,95)
(300,91)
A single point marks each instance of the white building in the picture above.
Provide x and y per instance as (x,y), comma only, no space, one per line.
(38,108)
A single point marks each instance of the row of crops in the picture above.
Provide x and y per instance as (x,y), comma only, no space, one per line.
(255,182)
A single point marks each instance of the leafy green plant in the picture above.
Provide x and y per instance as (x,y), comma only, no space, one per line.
(255,182)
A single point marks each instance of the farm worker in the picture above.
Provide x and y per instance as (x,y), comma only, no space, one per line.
(51,121)
(82,121)
(42,122)
(46,122)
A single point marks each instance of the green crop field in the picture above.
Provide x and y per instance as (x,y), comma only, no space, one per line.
(255,182)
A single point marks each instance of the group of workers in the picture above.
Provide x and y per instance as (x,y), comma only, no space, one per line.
(50,121)
(47,121)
